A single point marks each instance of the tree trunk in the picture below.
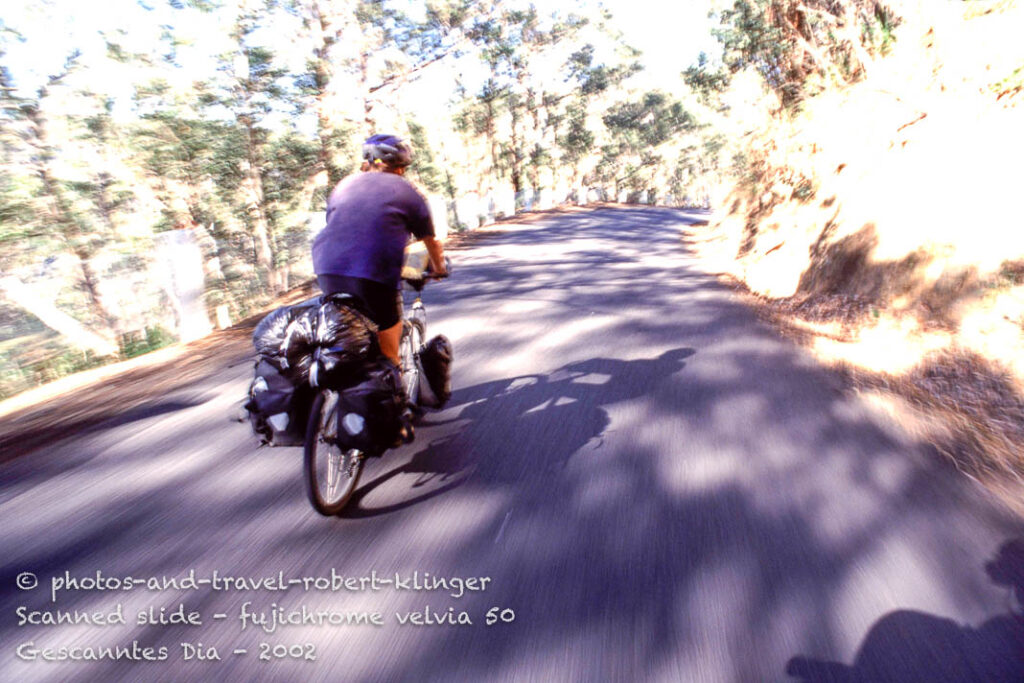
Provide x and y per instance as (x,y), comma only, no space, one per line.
(257,215)
(369,122)
(61,214)
(75,332)
(322,73)
(514,155)
(490,135)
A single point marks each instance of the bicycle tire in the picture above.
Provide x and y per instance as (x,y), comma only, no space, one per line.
(407,351)
(343,469)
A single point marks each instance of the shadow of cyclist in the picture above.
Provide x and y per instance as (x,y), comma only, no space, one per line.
(515,429)
(914,647)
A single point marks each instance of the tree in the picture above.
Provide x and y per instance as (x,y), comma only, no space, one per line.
(251,88)
(56,203)
(637,129)
(423,164)
(578,142)
(361,51)
(329,29)
(792,42)
(595,81)
(705,79)
(509,43)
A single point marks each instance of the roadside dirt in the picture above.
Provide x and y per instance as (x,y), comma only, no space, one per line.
(967,407)
(116,389)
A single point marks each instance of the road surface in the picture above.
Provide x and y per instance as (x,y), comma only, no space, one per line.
(646,481)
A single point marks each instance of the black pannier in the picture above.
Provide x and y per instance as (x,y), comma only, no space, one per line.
(435,361)
(371,412)
(277,407)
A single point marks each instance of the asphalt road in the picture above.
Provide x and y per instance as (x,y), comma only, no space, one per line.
(657,486)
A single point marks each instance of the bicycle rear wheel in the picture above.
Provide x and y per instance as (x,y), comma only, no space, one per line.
(331,473)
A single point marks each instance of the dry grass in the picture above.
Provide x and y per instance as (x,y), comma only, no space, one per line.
(977,409)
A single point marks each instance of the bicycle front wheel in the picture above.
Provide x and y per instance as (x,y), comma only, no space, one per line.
(331,473)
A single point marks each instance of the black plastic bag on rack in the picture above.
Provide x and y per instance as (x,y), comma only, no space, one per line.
(269,335)
(344,341)
(299,345)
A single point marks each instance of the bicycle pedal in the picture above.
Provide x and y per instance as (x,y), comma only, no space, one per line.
(406,435)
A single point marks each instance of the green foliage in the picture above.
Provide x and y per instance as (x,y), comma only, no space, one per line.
(17,210)
(594,79)
(289,159)
(649,122)
(48,361)
(423,161)
(155,338)
(751,38)
(429,39)
(191,152)
(794,44)
(578,141)
(705,79)
(479,116)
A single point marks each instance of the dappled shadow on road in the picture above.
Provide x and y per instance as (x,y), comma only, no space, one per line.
(531,425)
(914,647)
(587,263)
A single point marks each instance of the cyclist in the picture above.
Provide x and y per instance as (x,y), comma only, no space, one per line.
(370,218)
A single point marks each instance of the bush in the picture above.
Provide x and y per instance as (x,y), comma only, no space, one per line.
(156,338)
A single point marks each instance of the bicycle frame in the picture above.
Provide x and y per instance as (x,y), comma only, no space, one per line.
(414,332)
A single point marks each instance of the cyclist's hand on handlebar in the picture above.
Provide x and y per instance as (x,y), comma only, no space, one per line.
(441,274)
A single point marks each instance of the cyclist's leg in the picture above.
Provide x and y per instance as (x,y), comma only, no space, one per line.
(389,341)
(387,313)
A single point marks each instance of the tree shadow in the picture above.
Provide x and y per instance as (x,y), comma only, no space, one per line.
(846,266)
(532,424)
(907,646)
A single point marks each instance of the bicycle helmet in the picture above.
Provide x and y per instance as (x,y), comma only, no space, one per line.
(390,150)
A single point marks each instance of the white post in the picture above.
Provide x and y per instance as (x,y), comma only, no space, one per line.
(439,214)
(181,260)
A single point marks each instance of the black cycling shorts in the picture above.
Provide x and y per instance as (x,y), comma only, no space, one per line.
(380,302)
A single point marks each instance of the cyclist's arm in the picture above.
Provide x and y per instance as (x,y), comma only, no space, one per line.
(436,253)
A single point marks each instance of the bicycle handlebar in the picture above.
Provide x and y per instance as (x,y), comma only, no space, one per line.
(419,282)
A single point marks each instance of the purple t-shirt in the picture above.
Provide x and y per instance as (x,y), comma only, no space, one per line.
(369,219)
